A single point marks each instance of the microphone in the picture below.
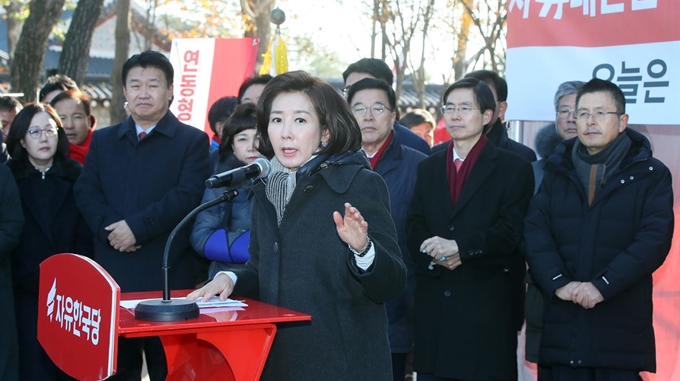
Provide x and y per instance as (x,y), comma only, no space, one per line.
(258,169)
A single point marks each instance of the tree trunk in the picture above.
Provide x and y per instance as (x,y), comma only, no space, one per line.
(117,111)
(75,55)
(14,25)
(259,25)
(31,47)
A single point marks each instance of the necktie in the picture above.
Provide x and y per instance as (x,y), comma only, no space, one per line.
(458,163)
(142,135)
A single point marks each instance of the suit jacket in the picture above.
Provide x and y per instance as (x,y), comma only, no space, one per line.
(467,317)
(152,184)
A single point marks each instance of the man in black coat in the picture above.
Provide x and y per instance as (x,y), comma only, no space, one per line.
(141,177)
(378,69)
(599,226)
(11,225)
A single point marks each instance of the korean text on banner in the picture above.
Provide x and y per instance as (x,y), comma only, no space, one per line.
(552,41)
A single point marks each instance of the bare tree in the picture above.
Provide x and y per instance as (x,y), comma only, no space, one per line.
(418,73)
(75,54)
(117,111)
(15,22)
(258,24)
(32,44)
(490,18)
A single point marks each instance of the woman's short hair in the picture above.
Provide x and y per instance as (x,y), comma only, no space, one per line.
(21,124)
(243,118)
(335,116)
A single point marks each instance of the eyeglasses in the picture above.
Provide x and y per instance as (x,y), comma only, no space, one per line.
(597,115)
(564,113)
(462,110)
(35,133)
(376,109)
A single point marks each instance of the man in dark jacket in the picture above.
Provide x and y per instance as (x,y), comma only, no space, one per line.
(599,226)
(373,103)
(141,177)
(375,68)
(11,225)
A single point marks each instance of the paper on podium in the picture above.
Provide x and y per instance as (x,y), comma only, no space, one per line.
(212,302)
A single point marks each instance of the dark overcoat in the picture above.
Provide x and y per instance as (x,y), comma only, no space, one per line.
(466,320)
(303,265)
(11,225)
(151,184)
(616,243)
(398,166)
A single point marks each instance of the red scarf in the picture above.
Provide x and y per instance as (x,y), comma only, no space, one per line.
(374,160)
(78,152)
(457,178)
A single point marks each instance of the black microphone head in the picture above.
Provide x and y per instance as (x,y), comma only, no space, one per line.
(265,167)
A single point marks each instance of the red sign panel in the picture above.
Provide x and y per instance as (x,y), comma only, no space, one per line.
(78,316)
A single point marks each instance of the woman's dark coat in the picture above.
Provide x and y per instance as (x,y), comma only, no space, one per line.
(303,265)
(616,243)
(466,320)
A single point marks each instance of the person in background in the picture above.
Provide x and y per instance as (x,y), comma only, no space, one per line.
(376,68)
(54,85)
(322,240)
(373,103)
(9,107)
(73,107)
(600,225)
(218,114)
(11,225)
(547,139)
(465,228)
(420,122)
(45,177)
(251,88)
(222,233)
(141,178)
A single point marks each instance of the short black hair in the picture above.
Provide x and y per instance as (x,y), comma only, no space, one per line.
(483,94)
(256,80)
(9,104)
(491,78)
(417,117)
(146,59)
(597,85)
(377,84)
(375,67)
(243,118)
(220,111)
(335,116)
(21,124)
(77,95)
(59,82)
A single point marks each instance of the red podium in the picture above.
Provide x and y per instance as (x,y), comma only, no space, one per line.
(80,319)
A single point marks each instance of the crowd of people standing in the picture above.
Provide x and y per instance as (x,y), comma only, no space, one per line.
(409,257)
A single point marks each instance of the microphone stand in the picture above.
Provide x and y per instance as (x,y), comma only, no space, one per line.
(167,309)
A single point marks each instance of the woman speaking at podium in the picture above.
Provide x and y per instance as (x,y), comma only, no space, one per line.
(322,238)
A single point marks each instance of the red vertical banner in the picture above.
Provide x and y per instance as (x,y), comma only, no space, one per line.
(206,70)
(634,43)
(78,316)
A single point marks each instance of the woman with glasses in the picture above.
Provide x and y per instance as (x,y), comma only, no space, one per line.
(322,239)
(45,176)
(222,233)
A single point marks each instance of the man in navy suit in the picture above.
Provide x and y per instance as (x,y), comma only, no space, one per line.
(141,177)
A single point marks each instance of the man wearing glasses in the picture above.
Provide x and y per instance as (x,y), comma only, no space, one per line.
(599,226)
(373,104)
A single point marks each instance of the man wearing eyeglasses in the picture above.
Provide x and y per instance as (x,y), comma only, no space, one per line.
(373,104)
(599,226)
